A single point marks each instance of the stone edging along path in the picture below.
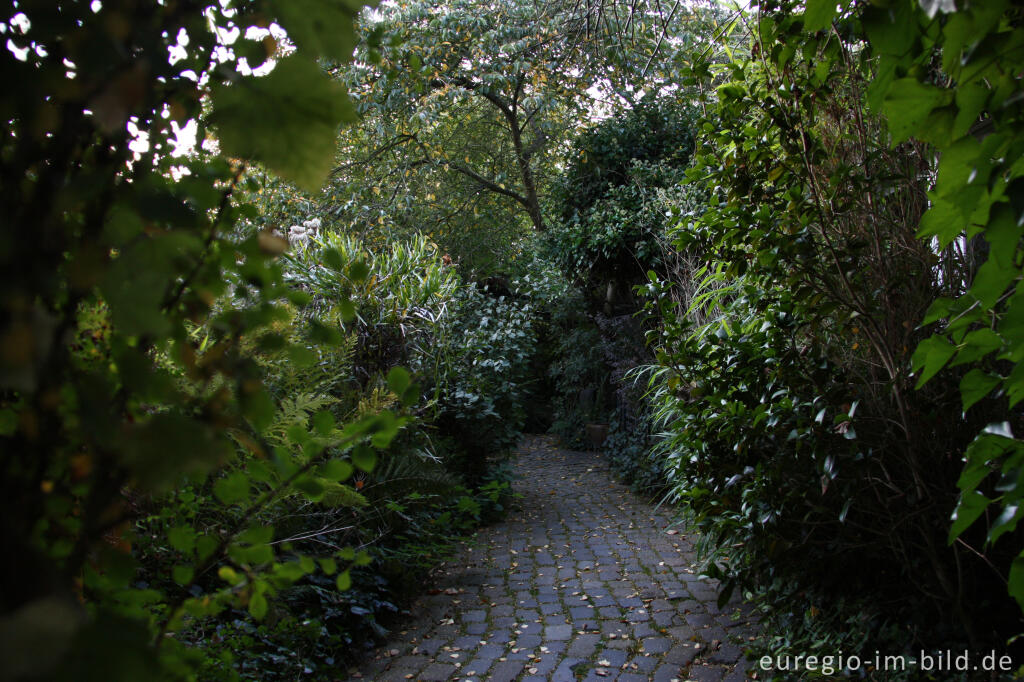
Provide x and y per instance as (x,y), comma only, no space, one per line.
(582,581)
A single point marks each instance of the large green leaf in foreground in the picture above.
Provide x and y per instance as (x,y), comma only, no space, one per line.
(286,120)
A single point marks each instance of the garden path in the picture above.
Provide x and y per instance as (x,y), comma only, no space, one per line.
(583,580)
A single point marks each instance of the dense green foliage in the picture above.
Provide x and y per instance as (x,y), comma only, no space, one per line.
(611,204)
(128,306)
(251,392)
(404,509)
(193,429)
(464,115)
(815,448)
(460,116)
(614,194)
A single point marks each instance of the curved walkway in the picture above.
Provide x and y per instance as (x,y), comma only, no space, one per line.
(583,581)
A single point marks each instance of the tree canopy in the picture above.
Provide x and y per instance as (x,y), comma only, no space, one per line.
(466,113)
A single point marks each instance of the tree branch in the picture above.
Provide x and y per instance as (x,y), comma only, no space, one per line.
(489,184)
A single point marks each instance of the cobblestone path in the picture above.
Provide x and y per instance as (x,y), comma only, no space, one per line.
(583,581)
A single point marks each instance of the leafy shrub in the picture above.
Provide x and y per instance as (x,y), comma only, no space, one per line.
(785,387)
(482,359)
(318,494)
(627,448)
(470,350)
(611,198)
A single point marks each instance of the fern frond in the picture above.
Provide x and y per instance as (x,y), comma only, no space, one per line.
(340,495)
(403,473)
(296,412)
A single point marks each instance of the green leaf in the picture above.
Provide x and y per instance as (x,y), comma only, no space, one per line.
(205,546)
(819,14)
(182,574)
(972,505)
(972,475)
(290,571)
(344,581)
(310,487)
(411,395)
(336,470)
(387,428)
(994,443)
(121,225)
(957,166)
(971,99)
(299,298)
(937,128)
(398,380)
(253,555)
(259,471)
(297,434)
(975,385)
(182,538)
(271,341)
(134,288)
(1003,235)
(228,575)
(322,27)
(931,355)
(347,309)
(992,281)
(257,535)
(364,457)
(1006,522)
(908,104)
(169,444)
(726,593)
(232,489)
(328,566)
(942,220)
(300,356)
(258,407)
(1011,326)
(287,120)
(976,345)
(332,258)
(339,495)
(937,310)
(891,30)
(258,606)
(1016,579)
(358,271)
(323,422)
(879,86)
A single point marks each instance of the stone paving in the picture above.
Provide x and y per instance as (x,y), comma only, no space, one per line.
(583,581)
